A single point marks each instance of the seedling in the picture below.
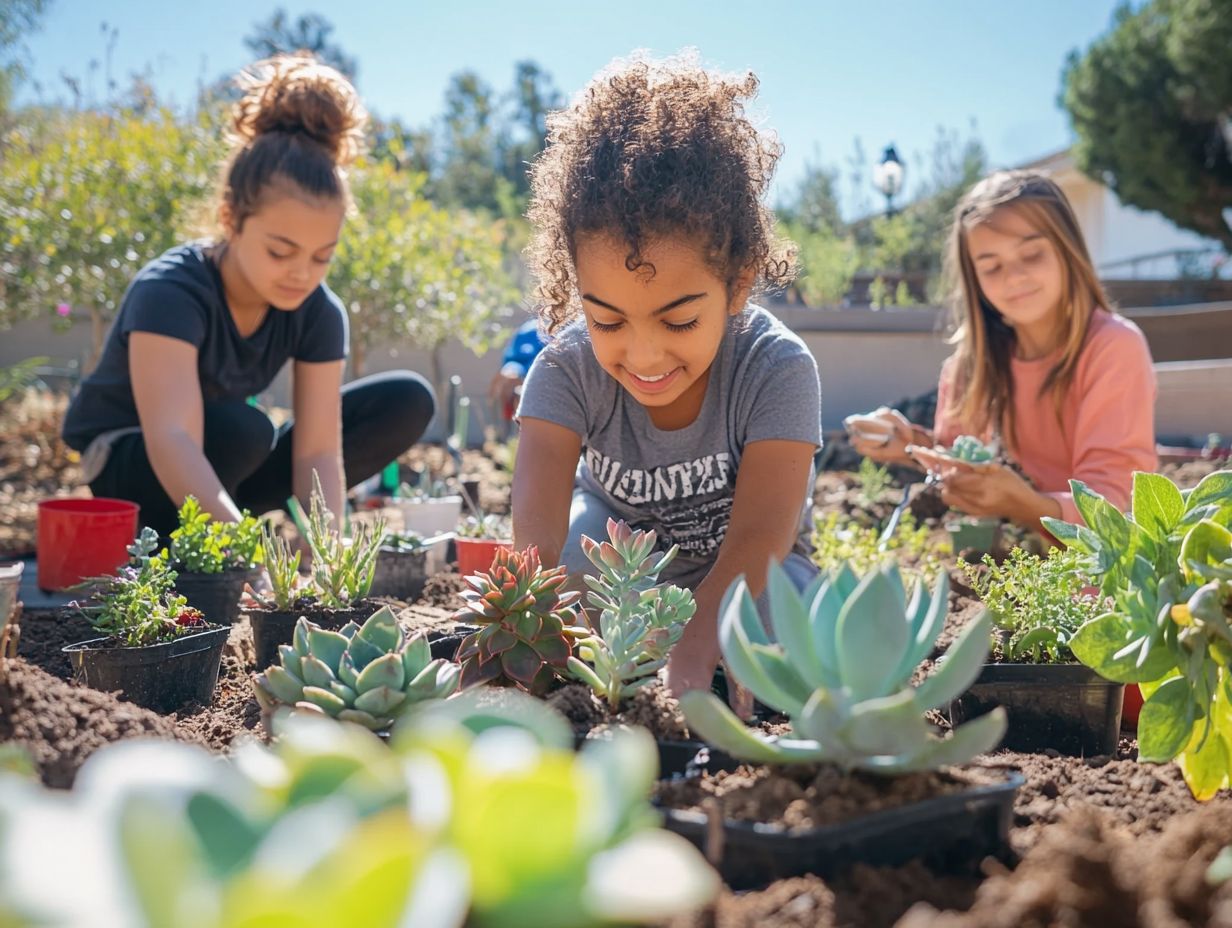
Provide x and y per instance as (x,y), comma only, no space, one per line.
(639,622)
(841,671)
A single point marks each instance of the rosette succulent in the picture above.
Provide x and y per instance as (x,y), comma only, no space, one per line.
(639,622)
(525,634)
(971,449)
(369,674)
(841,670)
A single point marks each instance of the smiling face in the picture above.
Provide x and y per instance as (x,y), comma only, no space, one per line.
(283,250)
(1019,271)
(657,334)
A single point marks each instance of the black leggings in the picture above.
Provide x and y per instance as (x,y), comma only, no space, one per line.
(382,416)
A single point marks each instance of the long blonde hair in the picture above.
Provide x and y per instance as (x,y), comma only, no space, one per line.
(983,381)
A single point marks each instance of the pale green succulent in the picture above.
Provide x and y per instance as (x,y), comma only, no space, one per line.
(639,622)
(368,675)
(841,671)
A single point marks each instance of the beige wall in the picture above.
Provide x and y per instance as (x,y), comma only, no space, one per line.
(865,359)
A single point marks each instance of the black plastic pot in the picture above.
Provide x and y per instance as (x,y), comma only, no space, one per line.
(272,627)
(1066,707)
(216,595)
(400,574)
(951,833)
(444,644)
(163,677)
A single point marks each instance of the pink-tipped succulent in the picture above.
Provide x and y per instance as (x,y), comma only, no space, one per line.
(525,635)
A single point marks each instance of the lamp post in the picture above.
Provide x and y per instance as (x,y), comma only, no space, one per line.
(888,177)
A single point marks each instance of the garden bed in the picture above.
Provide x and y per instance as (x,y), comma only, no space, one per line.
(1103,840)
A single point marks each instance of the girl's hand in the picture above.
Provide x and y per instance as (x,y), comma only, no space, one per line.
(882,435)
(691,666)
(996,490)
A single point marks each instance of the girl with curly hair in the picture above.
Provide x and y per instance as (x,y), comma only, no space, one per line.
(1042,366)
(209,324)
(665,397)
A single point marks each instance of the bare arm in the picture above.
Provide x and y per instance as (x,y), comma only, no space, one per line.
(770,490)
(316,441)
(543,486)
(172,416)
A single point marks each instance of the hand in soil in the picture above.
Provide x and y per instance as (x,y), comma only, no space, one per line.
(690,668)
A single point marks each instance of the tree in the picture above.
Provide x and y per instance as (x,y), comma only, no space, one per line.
(411,272)
(533,97)
(813,205)
(470,176)
(309,32)
(828,262)
(87,198)
(1151,104)
(17,18)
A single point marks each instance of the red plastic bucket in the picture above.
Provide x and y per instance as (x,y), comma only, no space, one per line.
(477,554)
(80,538)
(1131,707)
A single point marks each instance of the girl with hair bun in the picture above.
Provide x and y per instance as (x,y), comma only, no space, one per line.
(233,311)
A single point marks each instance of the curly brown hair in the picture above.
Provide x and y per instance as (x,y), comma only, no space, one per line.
(652,148)
(299,121)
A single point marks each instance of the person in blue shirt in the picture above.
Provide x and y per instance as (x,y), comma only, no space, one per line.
(519,353)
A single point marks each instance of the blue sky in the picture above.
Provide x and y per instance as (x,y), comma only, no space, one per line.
(831,71)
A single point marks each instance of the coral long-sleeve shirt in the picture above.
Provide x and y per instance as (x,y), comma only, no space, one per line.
(1106,429)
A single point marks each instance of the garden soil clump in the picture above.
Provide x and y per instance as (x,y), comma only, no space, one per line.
(1087,873)
(61,724)
(444,591)
(652,707)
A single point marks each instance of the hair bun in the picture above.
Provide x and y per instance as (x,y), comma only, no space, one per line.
(298,94)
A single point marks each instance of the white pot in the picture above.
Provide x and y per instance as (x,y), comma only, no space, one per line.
(429,517)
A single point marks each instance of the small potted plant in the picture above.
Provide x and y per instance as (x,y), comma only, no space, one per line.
(840,668)
(1052,701)
(429,508)
(478,540)
(402,565)
(158,651)
(369,674)
(336,591)
(213,560)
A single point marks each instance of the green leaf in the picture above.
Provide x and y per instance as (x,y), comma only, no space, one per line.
(719,726)
(324,700)
(872,636)
(1104,519)
(384,671)
(1206,543)
(382,700)
(887,725)
(285,686)
(959,667)
(521,663)
(1206,765)
(1213,490)
(1166,721)
(327,646)
(315,672)
(1157,504)
(790,619)
(979,736)
(736,613)
(1099,640)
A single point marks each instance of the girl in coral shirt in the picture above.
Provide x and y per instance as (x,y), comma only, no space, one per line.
(1041,364)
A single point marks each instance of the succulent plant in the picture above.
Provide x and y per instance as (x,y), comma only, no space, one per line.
(342,568)
(525,634)
(369,674)
(639,622)
(841,671)
(971,449)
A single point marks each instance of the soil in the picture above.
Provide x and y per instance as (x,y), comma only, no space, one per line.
(807,796)
(60,724)
(652,707)
(443,591)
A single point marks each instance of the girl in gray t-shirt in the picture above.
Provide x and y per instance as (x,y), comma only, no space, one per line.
(665,398)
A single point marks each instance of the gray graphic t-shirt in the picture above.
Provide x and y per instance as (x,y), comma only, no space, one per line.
(763,386)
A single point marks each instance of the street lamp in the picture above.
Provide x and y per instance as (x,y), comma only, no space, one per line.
(888,177)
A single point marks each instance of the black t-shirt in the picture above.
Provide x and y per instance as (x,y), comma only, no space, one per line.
(180,294)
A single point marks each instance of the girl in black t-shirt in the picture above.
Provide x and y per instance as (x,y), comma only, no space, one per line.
(207,325)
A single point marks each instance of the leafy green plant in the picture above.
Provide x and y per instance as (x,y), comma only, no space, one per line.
(873,480)
(1162,565)
(488,527)
(841,670)
(639,622)
(282,566)
(839,540)
(406,542)
(342,568)
(204,545)
(17,377)
(1039,602)
(328,826)
(139,605)
(369,675)
(525,635)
